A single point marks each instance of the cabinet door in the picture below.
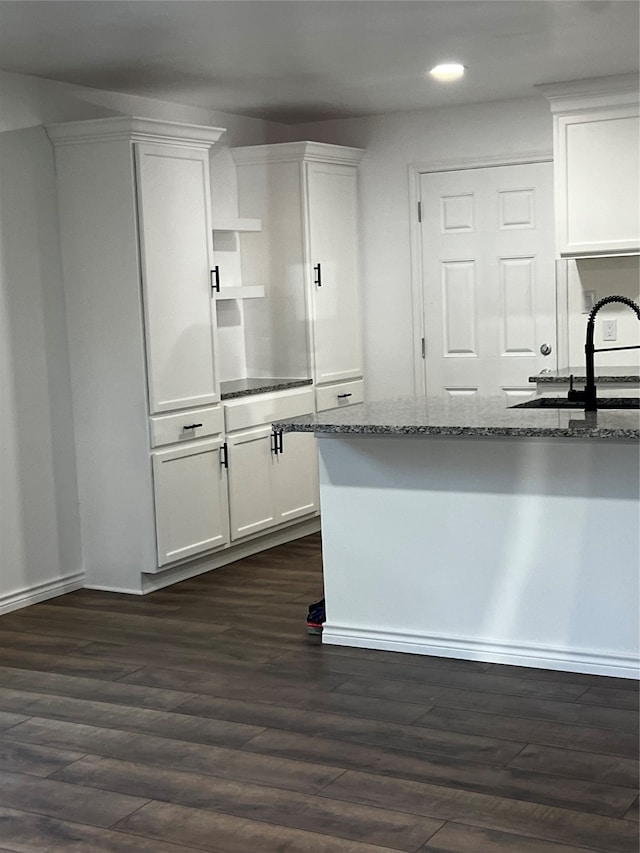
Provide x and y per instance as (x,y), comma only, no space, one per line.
(190,489)
(251,504)
(597,178)
(175,245)
(332,205)
(296,476)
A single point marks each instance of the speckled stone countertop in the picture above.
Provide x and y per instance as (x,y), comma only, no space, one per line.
(603,375)
(465,417)
(246,387)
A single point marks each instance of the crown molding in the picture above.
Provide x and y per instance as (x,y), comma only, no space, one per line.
(133,129)
(613,91)
(284,152)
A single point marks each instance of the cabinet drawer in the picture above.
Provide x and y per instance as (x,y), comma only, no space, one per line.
(186,425)
(341,394)
(264,409)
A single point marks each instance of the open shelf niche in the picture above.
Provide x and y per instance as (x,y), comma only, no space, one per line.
(225,240)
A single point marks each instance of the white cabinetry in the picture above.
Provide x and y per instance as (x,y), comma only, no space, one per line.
(306,256)
(190,490)
(295,480)
(135,231)
(273,478)
(177,264)
(251,505)
(597,166)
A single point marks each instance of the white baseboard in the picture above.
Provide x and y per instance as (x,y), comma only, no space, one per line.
(466,648)
(119,589)
(69,583)
(40,592)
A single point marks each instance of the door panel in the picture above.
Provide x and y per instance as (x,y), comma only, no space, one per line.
(190,490)
(459,308)
(332,191)
(296,476)
(488,278)
(251,505)
(175,244)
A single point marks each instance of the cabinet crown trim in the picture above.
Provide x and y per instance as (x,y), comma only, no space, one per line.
(134,129)
(296,151)
(616,90)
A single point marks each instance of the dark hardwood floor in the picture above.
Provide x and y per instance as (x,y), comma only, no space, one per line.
(203,717)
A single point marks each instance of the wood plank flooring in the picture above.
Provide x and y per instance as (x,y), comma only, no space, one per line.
(203,717)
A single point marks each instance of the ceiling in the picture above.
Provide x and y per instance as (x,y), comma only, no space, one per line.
(304,60)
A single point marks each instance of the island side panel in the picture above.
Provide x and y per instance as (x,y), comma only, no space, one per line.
(522,551)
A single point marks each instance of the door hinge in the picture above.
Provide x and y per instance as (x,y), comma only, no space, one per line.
(419,211)
(423,347)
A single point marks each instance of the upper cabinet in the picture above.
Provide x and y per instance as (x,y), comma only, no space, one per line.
(178,274)
(597,166)
(134,203)
(305,193)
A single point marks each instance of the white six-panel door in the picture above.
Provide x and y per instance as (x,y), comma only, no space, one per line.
(176,249)
(488,279)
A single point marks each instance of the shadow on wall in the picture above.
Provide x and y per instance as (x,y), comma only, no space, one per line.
(39,521)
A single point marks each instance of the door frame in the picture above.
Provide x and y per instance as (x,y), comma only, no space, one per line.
(416,170)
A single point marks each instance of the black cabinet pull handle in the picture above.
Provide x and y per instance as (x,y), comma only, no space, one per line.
(191,426)
(276,442)
(318,279)
(224,455)
(342,396)
(214,278)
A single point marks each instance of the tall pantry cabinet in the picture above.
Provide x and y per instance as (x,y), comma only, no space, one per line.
(308,323)
(136,240)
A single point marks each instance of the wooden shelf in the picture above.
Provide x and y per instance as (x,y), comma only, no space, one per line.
(236,224)
(251,291)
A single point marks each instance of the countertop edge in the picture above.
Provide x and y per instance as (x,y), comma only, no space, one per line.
(599,433)
(630,379)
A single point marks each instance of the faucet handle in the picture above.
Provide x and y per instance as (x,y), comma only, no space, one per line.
(573,395)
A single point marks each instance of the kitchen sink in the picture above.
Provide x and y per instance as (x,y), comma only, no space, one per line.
(563,403)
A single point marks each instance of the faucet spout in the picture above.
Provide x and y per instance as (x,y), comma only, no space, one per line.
(590,400)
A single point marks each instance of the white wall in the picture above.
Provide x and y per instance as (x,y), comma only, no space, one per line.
(605,277)
(392,143)
(40,547)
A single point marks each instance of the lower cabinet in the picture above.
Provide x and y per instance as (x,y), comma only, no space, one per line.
(273,479)
(191,505)
(251,504)
(295,476)
(211,491)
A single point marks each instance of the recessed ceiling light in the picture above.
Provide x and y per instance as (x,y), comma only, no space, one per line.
(448,71)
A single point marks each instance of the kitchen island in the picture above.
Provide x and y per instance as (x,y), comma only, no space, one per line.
(466,529)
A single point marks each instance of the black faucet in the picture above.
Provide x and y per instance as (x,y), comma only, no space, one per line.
(588,396)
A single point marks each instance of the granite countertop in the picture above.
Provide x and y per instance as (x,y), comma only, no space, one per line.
(466,417)
(603,375)
(246,387)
